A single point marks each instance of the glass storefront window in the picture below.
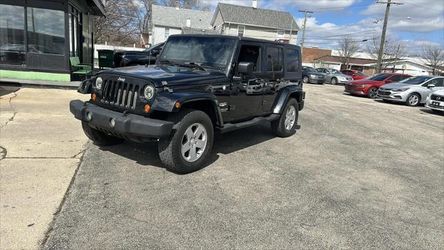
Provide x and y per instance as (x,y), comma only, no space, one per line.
(12,35)
(46,31)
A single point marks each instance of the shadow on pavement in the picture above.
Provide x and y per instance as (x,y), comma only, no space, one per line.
(433,112)
(146,153)
(7,88)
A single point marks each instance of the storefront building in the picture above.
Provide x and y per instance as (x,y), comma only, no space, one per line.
(38,37)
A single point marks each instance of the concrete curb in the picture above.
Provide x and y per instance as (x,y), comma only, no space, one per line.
(39,84)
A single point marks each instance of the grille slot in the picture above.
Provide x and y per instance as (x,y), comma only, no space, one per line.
(437,98)
(120,94)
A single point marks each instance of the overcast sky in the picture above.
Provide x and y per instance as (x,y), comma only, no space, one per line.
(414,22)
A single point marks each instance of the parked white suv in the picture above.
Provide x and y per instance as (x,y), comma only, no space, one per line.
(435,101)
(413,91)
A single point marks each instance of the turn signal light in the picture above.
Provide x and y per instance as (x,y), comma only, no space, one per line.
(147,108)
(177,105)
(93,97)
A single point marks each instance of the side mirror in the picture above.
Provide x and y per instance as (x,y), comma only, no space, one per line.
(155,53)
(245,68)
(431,86)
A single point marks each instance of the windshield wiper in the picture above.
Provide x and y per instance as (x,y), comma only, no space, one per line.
(192,65)
(186,64)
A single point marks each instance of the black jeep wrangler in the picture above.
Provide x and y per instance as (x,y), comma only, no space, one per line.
(200,84)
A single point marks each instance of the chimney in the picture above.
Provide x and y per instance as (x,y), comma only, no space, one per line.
(254,4)
(177,5)
(188,23)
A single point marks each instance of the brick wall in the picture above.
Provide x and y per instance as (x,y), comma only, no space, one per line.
(310,54)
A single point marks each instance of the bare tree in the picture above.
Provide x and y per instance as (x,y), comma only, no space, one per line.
(347,48)
(433,56)
(393,51)
(186,4)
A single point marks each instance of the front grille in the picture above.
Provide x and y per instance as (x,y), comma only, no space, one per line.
(437,98)
(120,94)
(382,92)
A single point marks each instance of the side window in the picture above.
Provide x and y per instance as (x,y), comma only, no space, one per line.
(397,78)
(292,60)
(251,53)
(274,59)
(438,82)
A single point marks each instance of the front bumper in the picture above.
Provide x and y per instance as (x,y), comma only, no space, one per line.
(354,90)
(435,105)
(124,125)
(392,96)
(316,80)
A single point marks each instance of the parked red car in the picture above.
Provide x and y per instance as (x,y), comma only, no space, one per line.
(356,75)
(369,86)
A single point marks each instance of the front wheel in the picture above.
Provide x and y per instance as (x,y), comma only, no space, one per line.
(413,99)
(286,125)
(305,79)
(373,93)
(334,81)
(98,137)
(187,149)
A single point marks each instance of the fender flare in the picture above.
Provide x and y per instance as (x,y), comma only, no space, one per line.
(283,96)
(165,102)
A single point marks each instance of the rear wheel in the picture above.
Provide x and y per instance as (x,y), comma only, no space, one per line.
(286,125)
(98,137)
(413,99)
(334,81)
(188,148)
(373,92)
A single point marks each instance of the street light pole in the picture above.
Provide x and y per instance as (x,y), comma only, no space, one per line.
(384,30)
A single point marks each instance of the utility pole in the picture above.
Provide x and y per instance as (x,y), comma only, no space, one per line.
(303,28)
(384,30)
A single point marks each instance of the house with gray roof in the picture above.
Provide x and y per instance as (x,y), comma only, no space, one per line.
(255,22)
(166,21)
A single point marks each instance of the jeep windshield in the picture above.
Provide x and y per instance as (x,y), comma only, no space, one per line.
(206,52)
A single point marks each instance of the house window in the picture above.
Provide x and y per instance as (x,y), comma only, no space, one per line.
(12,35)
(46,31)
(167,33)
(240,30)
(280,32)
(275,59)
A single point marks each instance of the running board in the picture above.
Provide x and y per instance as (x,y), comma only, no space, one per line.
(228,127)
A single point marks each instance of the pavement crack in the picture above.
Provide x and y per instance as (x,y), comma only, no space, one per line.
(79,153)
(3,152)
(13,108)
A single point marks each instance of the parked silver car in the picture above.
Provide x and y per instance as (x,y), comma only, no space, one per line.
(435,101)
(334,76)
(412,91)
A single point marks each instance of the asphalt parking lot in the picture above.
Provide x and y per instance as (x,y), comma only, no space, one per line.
(359,174)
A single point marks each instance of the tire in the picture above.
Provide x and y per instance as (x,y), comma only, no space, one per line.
(279,126)
(171,151)
(334,81)
(372,93)
(99,138)
(413,100)
(305,79)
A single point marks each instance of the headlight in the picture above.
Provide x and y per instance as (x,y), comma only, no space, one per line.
(400,90)
(98,83)
(148,92)
(313,76)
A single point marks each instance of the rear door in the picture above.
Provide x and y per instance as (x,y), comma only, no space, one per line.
(273,73)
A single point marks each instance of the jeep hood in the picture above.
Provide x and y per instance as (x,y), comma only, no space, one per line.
(173,75)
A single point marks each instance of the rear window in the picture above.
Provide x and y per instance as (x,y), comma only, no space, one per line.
(292,60)
(379,77)
(275,59)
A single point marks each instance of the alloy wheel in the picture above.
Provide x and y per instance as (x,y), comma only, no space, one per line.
(373,93)
(194,142)
(413,100)
(290,118)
